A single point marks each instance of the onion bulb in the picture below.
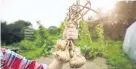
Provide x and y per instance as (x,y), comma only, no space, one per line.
(60,45)
(77,61)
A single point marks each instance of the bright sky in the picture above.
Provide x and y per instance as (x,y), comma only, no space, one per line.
(49,12)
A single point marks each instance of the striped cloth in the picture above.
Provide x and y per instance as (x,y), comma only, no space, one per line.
(12,60)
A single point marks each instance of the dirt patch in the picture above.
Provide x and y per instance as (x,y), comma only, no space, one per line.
(97,63)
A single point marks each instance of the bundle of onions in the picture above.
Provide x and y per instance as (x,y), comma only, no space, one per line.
(66,51)
(77,61)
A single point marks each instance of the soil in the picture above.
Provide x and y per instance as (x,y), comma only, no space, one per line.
(97,63)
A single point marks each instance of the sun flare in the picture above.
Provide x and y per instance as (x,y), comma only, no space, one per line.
(104,5)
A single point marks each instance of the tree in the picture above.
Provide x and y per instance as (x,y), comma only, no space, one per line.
(53,30)
(4,32)
(13,32)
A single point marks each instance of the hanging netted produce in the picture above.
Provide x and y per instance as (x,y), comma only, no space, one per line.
(71,53)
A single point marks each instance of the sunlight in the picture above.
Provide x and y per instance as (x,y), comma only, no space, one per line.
(104,5)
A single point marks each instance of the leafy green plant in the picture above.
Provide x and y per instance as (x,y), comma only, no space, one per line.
(26,45)
(111,50)
(32,54)
(84,34)
(89,48)
(116,57)
(100,33)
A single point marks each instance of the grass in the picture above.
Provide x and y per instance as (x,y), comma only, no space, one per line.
(116,57)
(32,54)
(112,51)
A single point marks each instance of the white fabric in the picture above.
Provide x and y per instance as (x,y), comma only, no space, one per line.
(45,66)
(129,45)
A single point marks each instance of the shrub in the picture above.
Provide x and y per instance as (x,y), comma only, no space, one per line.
(32,54)
(26,45)
(116,57)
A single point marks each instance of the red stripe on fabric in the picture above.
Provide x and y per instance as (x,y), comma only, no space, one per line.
(5,67)
(32,65)
(16,63)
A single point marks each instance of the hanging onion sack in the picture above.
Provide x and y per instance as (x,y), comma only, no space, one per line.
(63,55)
(77,61)
(71,52)
(60,45)
(67,52)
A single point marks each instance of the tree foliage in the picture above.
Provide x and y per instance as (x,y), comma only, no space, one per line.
(13,32)
(53,30)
